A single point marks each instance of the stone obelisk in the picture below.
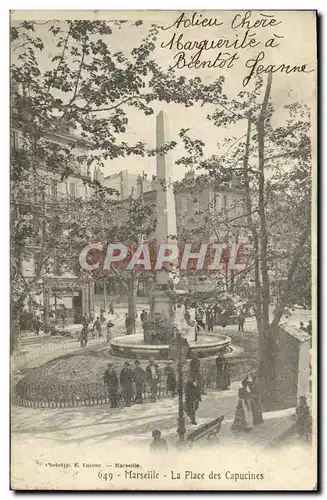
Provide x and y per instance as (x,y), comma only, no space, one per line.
(166,229)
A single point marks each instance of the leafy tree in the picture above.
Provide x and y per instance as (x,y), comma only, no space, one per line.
(85,88)
(273,163)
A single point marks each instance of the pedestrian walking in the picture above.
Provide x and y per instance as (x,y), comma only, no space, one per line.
(139,376)
(158,444)
(126,382)
(192,398)
(241,321)
(153,377)
(111,308)
(111,383)
(170,379)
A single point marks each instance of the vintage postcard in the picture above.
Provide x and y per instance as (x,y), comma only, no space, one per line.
(163,186)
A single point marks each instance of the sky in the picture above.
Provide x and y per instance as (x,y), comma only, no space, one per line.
(296,32)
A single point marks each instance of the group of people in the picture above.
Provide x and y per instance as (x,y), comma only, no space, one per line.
(207,317)
(129,385)
(96,329)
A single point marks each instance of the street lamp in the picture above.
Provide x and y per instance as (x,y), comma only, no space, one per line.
(178,350)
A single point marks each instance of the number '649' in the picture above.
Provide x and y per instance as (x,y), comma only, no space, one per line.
(107,476)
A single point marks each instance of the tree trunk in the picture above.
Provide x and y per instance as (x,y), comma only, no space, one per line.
(104,294)
(261,208)
(267,348)
(131,294)
(248,203)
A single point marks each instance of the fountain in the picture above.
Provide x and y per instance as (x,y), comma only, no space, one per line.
(167,311)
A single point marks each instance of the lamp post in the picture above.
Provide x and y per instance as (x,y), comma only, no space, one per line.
(178,350)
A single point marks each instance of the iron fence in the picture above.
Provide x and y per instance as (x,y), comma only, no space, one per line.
(63,395)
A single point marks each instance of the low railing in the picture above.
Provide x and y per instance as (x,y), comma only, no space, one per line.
(91,394)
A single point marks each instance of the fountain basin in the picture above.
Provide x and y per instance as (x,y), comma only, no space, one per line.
(132,346)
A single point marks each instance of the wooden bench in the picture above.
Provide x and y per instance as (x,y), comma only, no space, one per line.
(209,430)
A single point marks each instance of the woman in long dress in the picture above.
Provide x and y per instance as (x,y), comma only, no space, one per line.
(255,401)
(243,417)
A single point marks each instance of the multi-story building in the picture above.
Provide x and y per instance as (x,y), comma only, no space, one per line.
(206,211)
(55,292)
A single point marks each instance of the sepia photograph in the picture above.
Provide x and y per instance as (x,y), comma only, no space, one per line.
(163,250)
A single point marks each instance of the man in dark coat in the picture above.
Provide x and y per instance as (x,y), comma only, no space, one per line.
(195,373)
(37,325)
(86,320)
(84,335)
(97,327)
(241,321)
(170,379)
(126,382)
(110,379)
(153,376)
(139,379)
(222,373)
(192,398)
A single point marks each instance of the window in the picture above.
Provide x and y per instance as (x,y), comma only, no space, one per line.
(218,203)
(184,207)
(73,189)
(54,189)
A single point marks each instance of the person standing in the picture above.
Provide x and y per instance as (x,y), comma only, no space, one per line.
(199,319)
(210,320)
(222,373)
(111,308)
(110,326)
(37,325)
(126,382)
(241,321)
(153,377)
(158,444)
(255,401)
(303,418)
(192,398)
(243,420)
(128,324)
(195,373)
(170,379)
(111,383)
(97,327)
(85,320)
(138,378)
(84,336)
(102,317)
